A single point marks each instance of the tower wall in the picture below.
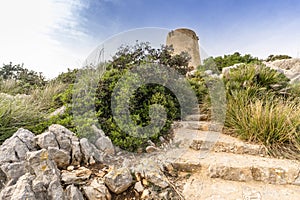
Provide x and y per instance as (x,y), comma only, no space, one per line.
(185,40)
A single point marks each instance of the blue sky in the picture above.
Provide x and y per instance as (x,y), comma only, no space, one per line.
(52,35)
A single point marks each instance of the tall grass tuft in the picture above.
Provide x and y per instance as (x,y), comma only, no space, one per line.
(17,112)
(27,111)
(273,122)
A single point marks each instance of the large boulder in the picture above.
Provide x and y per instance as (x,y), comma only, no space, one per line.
(15,148)
(64,139)
(63,136)
(47,175)
(289,67)
(12,156)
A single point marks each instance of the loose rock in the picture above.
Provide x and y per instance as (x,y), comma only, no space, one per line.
(90,152)
(139,187)
(105,145)
(61,157)
(73,193)
(150,149)
(76,176)
(118,180)
(96,191)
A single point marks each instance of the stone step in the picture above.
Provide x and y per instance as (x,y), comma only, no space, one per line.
(201,140)
(242,168)
(201,125)
(199,186)
(196,117)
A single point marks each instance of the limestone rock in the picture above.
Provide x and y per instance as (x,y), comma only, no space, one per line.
(45,140)
(229,173)
(63,136)
(7,192)
(55,190)
(150,149)
(67,141)
(76,156)
(105,145)
(42,167)
(60,156)
(139,187)
(47,176)
(15,148)
(152,172)
(58,111)
(145,194)
(158,179)
(40,189)
(96,191)
(21,190)
(12,156)
(97,132)
(118,180)
(70,168)
(3,179)
(13,170)
(90,152)
(76,176)
(73,193)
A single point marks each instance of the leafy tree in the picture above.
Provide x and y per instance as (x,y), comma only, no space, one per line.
(128,56)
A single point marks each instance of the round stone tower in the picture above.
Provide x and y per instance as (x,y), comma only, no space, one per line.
(184,39)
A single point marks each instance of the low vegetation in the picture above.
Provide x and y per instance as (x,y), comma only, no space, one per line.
(260,110)
(262,106)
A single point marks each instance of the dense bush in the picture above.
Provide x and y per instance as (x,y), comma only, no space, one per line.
(228,60)
(127,58)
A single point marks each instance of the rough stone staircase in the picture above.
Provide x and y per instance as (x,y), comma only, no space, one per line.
(231,169)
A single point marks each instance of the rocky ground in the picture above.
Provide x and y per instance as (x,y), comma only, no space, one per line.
(199,162)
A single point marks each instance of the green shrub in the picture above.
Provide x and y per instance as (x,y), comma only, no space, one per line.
(24,80)
(258,112)
(256,79)
(228,60)
(277,57)
(139,110)
(140,102)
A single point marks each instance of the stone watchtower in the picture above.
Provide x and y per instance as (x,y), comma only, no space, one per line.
(184,39)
